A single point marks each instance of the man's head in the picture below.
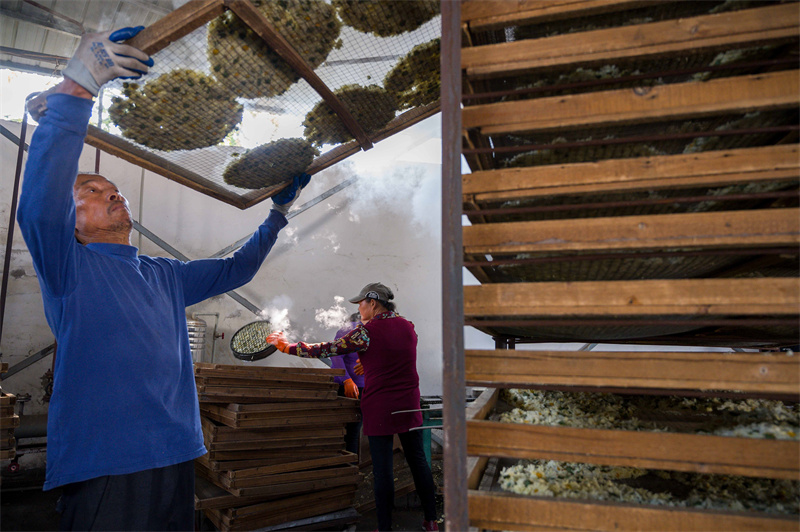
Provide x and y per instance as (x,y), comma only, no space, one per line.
(101,212)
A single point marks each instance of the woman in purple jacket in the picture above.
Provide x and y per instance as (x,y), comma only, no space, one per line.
(350,384)
(386,344)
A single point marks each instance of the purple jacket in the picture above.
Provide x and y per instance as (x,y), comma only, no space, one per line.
(347,361)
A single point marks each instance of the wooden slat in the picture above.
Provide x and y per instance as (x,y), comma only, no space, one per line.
(254,372)
(653,450)
(745,372)
(176,24)
(706,297)
(251,16)
(483,15)
(479,409)
(119,147)
(706,229)
(714,168)
(719,31)
(505,511)
(760,92)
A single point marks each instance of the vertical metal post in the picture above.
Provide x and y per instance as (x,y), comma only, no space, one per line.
(12,216)
(454,391)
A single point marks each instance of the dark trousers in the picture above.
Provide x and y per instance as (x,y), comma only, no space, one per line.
(380,447)
(352,435)
(154,499)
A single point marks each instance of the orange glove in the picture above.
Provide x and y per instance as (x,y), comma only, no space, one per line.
(350,389)
(358,369)
(279,340)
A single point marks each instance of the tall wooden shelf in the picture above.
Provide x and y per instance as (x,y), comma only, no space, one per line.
(634,180)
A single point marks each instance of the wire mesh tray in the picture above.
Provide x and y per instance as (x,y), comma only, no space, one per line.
(244,95)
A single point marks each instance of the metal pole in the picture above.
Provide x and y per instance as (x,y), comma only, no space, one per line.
(453,386)
(12,214)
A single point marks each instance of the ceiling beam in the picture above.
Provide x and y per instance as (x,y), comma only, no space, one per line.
(24,67)
(43,19)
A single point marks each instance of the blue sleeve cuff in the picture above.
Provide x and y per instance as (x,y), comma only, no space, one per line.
(68,112)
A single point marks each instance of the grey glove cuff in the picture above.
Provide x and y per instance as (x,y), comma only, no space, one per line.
(77,72)
(283,209)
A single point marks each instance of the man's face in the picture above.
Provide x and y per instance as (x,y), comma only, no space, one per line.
(101,212)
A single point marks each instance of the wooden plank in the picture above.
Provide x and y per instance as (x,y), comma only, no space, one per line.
(208,495)
(9,422)
(759,92)
(283,380)
(725,229)
(298,465)
(276,458)
(286,454)
(745,372)
(298,510)
(7,399)
(276,506)
(722,31)
(243,396)
(219,410)
(268,386)
(714,168)
(483,15)
(479,409)
(223,433)
(696,453)
(119,147)
(251,16)
(300,487)
(506,511)
(177,24)
(8,454)
(319,418)
(338,403)
(254,372)
(705,297)
(231,483)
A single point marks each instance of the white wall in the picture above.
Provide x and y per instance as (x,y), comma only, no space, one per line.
(383,228)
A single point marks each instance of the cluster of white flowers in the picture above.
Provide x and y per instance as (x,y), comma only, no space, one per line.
(714,492)
(751,418)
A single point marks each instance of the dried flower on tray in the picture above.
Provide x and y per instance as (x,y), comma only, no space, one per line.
(415,80)
(386,17)
(372,107)
(180,110)
(270,164)
(244,63)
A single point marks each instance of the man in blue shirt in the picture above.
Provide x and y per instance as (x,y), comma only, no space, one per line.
(124,423)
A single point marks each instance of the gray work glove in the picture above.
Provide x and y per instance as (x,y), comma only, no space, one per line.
(283,200)
(101,58)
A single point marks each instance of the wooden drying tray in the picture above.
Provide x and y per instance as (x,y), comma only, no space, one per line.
(738,29)
(668,312)
(191,16)
(762,375)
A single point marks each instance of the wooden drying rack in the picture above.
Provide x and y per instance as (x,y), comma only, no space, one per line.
(474,56)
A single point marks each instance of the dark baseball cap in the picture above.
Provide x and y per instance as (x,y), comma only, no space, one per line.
(377,291)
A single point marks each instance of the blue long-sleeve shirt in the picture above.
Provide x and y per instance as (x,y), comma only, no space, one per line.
(124,398)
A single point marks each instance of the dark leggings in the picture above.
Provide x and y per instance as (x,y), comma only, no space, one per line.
(380,447)
(155,499)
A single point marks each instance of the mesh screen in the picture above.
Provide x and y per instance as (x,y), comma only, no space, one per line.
(222,109)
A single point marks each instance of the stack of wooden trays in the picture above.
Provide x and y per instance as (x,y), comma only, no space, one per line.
(275,440)
(8,422)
